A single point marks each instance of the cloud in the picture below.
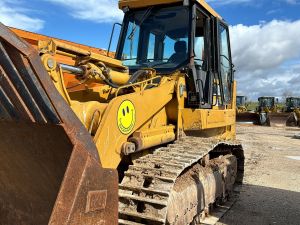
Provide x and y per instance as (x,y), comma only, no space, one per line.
(266,45)
(274,82)
(99,11)
(14,14)
(267,57)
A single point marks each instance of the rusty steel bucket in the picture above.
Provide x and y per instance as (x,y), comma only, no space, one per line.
(50,171)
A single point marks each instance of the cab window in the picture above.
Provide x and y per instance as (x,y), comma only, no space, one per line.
(225,63)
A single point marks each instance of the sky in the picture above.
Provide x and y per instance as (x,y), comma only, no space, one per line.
(265,35)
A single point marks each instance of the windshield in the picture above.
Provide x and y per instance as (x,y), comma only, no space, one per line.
(155,38)
(293,102)
(267,102)
(290,102)
(240,101)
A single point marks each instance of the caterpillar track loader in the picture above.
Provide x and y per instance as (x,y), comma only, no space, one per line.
(266,106)
(147,137)
(269,114)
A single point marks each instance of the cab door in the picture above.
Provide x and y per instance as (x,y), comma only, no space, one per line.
(225,65)
(201,65)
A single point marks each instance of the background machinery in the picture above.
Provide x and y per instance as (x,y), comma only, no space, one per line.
(269,112)
(159,119)
(271,115)
(267,105)
(241,105)
(293,107)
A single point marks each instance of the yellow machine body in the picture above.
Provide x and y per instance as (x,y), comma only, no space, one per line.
(153,108)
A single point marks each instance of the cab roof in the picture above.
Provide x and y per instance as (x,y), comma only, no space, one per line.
(135,4)
(266,97)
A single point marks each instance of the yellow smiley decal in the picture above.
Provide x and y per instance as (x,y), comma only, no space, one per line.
(126,117)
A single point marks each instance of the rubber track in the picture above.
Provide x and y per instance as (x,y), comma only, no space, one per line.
(146,187)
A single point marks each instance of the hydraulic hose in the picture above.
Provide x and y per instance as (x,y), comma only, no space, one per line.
(134,77)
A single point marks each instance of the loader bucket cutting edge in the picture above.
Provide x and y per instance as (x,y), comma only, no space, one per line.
(248,117)
(50,172)
(279,119)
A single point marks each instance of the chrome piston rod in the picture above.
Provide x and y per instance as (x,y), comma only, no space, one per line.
(72,69)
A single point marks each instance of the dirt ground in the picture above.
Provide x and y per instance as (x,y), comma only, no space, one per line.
(271,190)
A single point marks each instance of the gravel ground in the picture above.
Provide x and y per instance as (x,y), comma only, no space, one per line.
(271,190)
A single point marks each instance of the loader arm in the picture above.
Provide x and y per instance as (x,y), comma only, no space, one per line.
(102,116)
(110,138)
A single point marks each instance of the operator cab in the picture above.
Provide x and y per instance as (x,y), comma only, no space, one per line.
(240,101)
(183,37)
(292,103)
(266,102)
(155,38)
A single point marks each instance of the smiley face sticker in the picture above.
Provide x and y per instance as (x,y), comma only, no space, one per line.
(126,117)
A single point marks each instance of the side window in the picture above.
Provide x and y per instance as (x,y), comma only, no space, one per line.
(225,63)
(130,51)
(168,48)
(199,39)
(199,50)
(175,49)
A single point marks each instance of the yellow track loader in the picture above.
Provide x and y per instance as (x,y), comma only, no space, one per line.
(269,114)
(266,106)
(148,138)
